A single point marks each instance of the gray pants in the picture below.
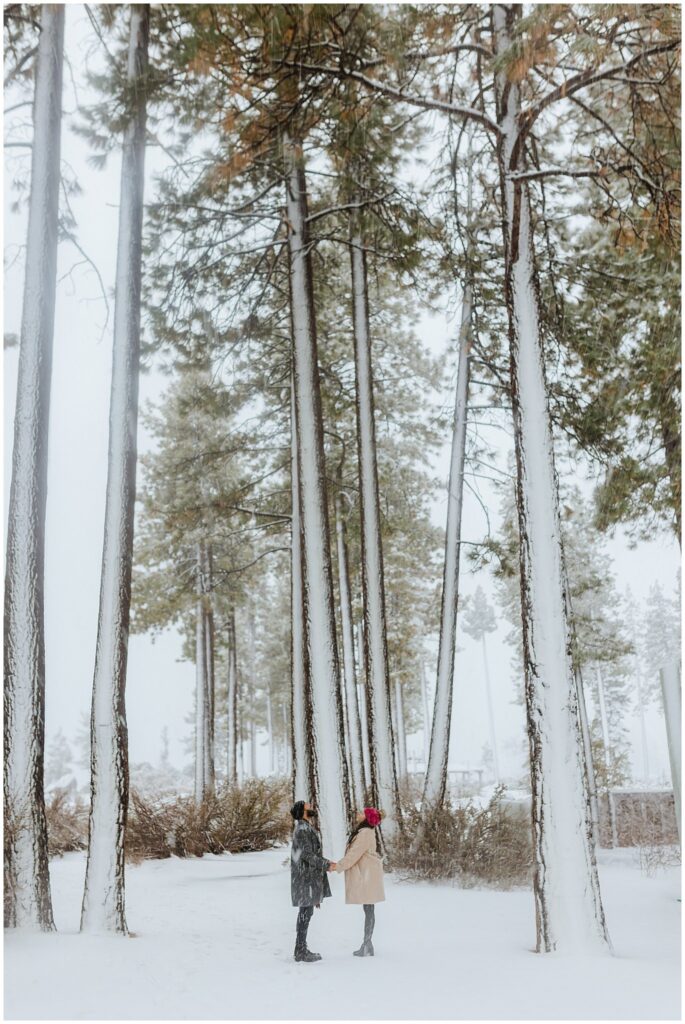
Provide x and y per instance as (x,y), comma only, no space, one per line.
(369,921)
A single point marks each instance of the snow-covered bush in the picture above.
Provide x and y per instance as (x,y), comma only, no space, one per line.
(476,845)
(253,816)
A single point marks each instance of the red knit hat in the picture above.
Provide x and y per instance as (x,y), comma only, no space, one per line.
(372,816)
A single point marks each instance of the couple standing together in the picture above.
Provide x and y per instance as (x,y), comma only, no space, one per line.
(362,866)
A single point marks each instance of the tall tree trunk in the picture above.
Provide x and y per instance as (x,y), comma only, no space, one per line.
(201,690)
(606,745)
(589,761)
(329,766)
(436,770)
(103,896)
(30,903)
(300,699)
(353,720)
(401,733)
(491,711)
(569,911)
(209,675)
(426,714)
(270,732)
(232,701)
(672,697)
(253,748)
(363,712)
(383,777)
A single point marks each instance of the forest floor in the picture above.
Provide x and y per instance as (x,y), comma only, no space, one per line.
(214,940)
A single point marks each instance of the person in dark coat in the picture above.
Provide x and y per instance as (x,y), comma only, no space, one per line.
(308,880)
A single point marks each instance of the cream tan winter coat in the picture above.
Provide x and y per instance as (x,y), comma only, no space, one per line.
(363,869)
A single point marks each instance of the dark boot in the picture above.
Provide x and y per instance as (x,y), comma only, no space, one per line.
(302,954)
(305,956)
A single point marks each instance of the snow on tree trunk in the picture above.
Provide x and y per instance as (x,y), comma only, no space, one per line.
(329,768)
(587,750)
(30,903)
(383,778)
(569,911)
(671,693)
(232,701)
(606,745)
(436,770)
(491,711)
(300,701)
(201,709)
(103,897)
(353,720)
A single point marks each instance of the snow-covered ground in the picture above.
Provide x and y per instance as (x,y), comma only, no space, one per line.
(214,939)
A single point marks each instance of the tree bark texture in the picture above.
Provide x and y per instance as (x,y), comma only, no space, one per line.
(103,898)
(383,777)
(354,727)
(436,771)
(569,911)
(329,768)
(29,897)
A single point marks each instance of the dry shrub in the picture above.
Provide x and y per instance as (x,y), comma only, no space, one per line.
(475,845)
(67,823)
(253,816)
(658,857)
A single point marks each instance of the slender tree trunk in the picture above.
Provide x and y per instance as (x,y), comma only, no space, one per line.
(241,739)
(569,911)
(253,749)
(328,760)
(436,770)
(103,897)
(270,733)
(589,762)
(26,851)
(672,697)
(300,703)
(401,731)
(363,711)
(491,711)
(588,759)
(232,701)
(209,675)
(201,708)
(606,745)
(426,714)
(353,720)
(383,776)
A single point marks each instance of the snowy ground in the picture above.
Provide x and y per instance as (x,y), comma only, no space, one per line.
(214,937)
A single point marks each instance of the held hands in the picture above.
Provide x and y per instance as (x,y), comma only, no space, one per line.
(331,865)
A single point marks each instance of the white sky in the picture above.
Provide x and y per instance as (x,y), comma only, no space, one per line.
(160,687)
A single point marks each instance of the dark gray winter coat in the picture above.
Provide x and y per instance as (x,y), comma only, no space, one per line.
(308,878)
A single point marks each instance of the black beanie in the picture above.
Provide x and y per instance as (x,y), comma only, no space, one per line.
(297,810)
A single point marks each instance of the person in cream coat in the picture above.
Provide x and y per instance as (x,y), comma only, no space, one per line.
(362,866)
